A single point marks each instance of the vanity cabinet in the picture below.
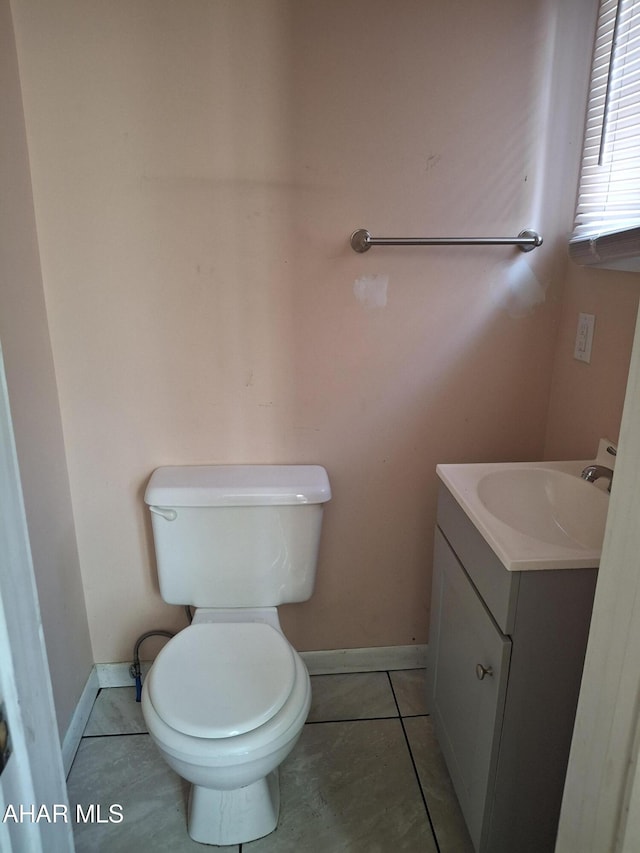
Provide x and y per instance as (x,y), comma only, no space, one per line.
(506,651)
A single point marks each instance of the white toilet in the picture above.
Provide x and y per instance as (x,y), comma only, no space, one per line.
(226,699)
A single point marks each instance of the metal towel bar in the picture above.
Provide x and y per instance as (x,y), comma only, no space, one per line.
(526,241)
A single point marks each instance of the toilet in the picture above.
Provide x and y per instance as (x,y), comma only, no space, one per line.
(226,698)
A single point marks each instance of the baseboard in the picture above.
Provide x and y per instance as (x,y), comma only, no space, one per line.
(76,727)
(117,674)
(329,662)
(334,661)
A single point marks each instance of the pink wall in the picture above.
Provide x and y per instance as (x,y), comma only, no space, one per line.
(198,168)
(586,399)
(33,398)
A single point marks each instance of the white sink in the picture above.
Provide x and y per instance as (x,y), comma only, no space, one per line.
(534,515)
(554,506)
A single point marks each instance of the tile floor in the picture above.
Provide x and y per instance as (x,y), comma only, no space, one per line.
(366,776)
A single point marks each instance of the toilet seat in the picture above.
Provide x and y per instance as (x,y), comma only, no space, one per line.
(233,751)
(220,680)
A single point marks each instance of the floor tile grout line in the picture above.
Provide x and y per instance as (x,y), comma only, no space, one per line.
(352,720)
(413,764)
(308,723)
(113,734)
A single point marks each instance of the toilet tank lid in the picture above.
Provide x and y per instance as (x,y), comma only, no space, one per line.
(237,485)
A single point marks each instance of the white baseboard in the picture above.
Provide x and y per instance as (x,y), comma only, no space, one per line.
(73,735)
(330,662)
(117,674)
(335,661)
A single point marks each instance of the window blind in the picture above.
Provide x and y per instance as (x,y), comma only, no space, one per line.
(607,226)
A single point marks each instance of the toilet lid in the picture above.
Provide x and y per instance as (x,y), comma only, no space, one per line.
(218,680)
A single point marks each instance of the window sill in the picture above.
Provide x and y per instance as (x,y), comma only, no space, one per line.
(618,250)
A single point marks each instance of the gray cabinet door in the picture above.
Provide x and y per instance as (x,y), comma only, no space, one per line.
(467,709)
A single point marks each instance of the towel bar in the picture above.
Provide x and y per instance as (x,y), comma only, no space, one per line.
(526,241)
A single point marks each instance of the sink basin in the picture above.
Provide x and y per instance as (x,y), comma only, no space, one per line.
(556,507)
(534,515)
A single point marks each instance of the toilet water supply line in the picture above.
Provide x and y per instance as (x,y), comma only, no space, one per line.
(134,670)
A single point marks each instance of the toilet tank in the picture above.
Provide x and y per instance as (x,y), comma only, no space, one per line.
(237,535)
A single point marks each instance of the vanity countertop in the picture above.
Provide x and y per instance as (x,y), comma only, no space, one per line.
(533,515)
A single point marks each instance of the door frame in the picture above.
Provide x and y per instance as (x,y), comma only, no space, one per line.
(34,774)
(601,804)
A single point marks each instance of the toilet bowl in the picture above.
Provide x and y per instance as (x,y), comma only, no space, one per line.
(225,703)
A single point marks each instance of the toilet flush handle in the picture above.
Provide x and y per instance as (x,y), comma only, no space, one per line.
(168,514)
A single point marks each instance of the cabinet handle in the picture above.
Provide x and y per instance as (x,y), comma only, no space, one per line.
(481,671)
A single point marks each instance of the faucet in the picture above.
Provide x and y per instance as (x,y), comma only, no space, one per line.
(593,472)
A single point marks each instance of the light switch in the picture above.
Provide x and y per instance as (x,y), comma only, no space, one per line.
(584,337)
